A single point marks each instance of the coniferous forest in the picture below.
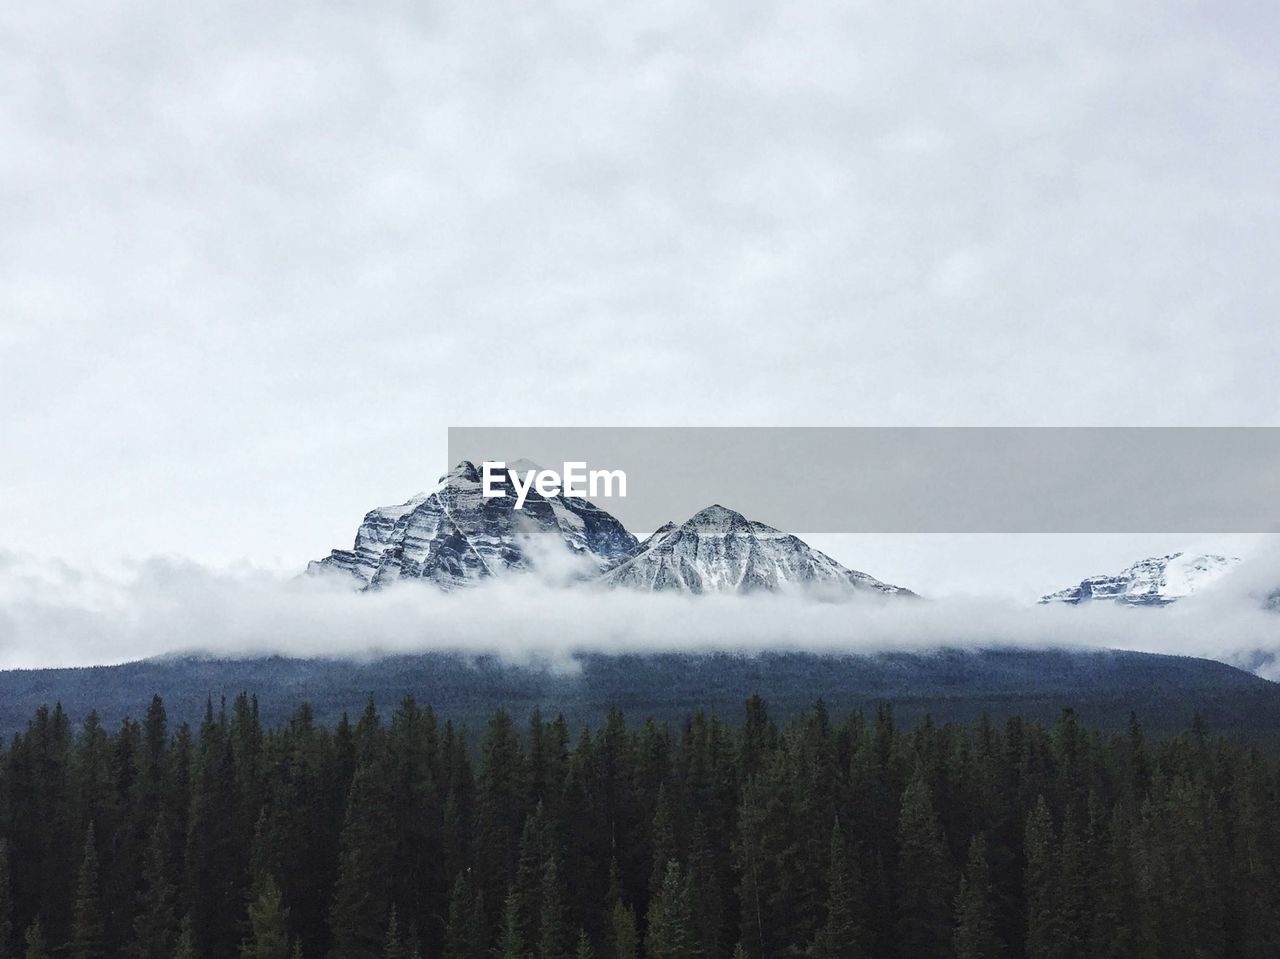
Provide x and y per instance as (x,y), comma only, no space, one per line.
(828,837)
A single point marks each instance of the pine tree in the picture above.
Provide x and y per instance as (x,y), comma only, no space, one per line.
(759,736)
(776,856)
(975,936)
(535,847)
(1075,885)
(6,903)
(186,947)
(417,883)
(465,932)
(155,926)
(501,808)
(1194,849)
(511,935)
(553,938)
(456,943)
(1039,883)
(1114,924)
(670,934)
(1252,862)
(216,853)
(845,933)
(924,910)
(663,844)
(367,845)
(584,950)
(396,946)
(86,924)
(453,833)
(127,834)
(36,948)
(749,854)
(155,743)
(625,939)
(268,924)
(708,903)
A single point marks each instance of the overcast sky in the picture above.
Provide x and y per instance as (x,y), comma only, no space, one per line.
(255,258)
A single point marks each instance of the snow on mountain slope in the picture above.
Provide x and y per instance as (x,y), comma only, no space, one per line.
(453,536)
(719,550)
(1157,581)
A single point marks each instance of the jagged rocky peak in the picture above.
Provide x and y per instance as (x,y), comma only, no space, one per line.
(452,535)
(1156,581)
(716,517)
(657,536)
(718,550)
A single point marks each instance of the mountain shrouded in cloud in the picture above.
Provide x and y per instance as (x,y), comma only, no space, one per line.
(454,536)
(1157,581)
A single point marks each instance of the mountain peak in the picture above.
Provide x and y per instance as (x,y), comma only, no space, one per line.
(454,536)
(718,550)
(716,516)
(1155,581)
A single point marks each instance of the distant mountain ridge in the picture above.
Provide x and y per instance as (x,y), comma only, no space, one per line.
(946,684)
(454,536)
(1156,581)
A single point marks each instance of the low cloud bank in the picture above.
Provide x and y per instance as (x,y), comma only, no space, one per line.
(54,614)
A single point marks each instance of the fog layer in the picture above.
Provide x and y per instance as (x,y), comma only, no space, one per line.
(55,614)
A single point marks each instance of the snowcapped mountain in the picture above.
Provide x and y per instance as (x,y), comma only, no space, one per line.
(451,535)
(719,550)
(454,536)
(1157,581)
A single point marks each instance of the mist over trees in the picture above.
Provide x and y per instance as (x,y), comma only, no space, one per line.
(402,836)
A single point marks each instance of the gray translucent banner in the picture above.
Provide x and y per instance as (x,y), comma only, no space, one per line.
(920,480)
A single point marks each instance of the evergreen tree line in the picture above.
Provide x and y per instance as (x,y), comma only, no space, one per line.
(405,838)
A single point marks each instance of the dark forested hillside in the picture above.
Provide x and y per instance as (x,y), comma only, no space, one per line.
(1101,685)
(830,837)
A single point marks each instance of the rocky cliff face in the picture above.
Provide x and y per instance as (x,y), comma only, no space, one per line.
(453,536)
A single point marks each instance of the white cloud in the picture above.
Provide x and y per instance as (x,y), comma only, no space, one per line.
(52,614)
